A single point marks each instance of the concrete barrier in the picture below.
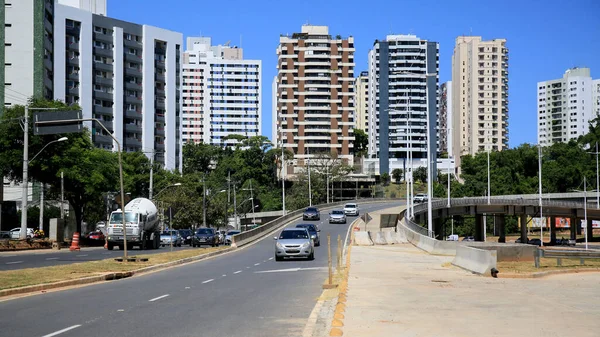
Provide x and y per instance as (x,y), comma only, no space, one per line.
(379,238)
(389,237)
(430,245)
(362,239)
(400,237)
(477,260)
(515,252)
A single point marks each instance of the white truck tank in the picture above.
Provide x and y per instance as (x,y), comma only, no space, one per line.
(141,218)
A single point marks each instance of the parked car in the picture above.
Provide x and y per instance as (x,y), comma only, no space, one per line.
(15,233)
(419,198)
(337,216)
(468,238)
(96,235)
(294,242)
(311,213)
(229,234)
(313,231)
(351,209)
(220,237)
(452,237)
(166,237)
(205,236)
(186,235)
(535,242)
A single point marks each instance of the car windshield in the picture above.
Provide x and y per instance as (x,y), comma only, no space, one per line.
(311,209)
(337,212)
(117,218)
(204,231)
(350,206)
(293,235)
(311,228)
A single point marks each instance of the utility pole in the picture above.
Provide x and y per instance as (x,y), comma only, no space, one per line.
(41,206)
(597,180)
(252,197)
(309,187)
(235,217)
(283,168)
(542,222)
(204,201)
(62,197)
(23,233)
(327,179)
(151,175)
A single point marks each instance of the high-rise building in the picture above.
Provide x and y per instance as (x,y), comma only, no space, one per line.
(403,100)
(479,95)
(596,97)
(445,119)
(221,93)
(565,106)
(361,101)
(126,75)
(315,93)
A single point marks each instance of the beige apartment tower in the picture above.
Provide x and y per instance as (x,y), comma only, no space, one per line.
(361,101)
(479,96)
(315,94)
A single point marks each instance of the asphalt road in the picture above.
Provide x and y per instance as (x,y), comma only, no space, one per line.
(243,293)
(47,258)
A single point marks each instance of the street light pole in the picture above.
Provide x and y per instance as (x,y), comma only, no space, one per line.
(309,187)
(204,201)
(488,177)
(542,222)
(283,168)
(597,180)
(585,227)
(449,186)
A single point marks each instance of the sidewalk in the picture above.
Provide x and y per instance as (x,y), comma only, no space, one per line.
(399,290)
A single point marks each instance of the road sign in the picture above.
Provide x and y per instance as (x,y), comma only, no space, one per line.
(65,122)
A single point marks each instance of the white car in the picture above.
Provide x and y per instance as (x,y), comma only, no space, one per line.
(351,209)
(15,233)
(419,198)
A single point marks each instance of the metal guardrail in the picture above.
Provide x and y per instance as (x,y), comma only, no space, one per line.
(255,233)
(564,254)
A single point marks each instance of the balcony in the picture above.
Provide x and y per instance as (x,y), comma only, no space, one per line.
(103,95)
(133,142)
(74,61)
(132,99)
(133,86)
(133,72)
(103,81)
(159,104)
(74,91)
(103,66)
(132,43)
(73,46)
(73,76)
(103,52)
(159,64)
(102,110)
(159,146)
(133,114)
(103,37)
(159,118)
(133,128)
(159,132)
(101,139)
(159,92)
(133,58)
(159,77)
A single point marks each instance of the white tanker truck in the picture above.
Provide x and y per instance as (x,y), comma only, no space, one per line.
(141,220)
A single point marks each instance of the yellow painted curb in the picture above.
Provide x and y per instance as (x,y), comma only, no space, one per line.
(338,315)
(336,332)
(337,323)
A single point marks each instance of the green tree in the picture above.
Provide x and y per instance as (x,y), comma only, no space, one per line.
(361,141)
(385,178)
(397,175)
(420,174)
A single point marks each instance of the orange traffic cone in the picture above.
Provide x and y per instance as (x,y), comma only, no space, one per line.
(75,242)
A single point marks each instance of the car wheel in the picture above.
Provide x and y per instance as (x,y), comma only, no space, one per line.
(311,256)
(278,258)
(318,244)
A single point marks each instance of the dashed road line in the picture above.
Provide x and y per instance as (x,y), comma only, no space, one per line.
(63,330)
(257,264)
(207,281)
(237,272)
(14,262)
(81,255)
(158,298)
(51,258)
(223,275)
(270,258)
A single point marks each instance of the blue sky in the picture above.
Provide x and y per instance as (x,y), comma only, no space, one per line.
(544,37)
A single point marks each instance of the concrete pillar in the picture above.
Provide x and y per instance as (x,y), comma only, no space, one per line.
(590,230)
(437,229)
(573,228)
(478,227)
(500,227)
(552,230)
(523,223)
(578,228)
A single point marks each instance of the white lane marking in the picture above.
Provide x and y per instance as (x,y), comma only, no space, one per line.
(51,258)
(223,275)
(247,267)
(207,281)
(121,310)
(264,261)
(187,287)
(81,255)
(14,262)
(289,270)
(237,272)
(8,255)
(257,264)
(158,298)
(270,258)
(63,330)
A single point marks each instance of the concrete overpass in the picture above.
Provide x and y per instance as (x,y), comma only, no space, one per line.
(523,206)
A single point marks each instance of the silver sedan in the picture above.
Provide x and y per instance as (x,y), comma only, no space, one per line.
(294,242)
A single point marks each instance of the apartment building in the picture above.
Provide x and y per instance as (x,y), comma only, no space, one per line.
(125,75)
(566,105)
(445,119)
(479,95)
(315,94)
(221,93)
(403,101)
(361,101)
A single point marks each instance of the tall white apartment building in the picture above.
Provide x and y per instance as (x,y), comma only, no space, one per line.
(566,105)
(361,101)
(126,75)
(403,98)
(315,98)
(479,95)
(221,93)
(445,119)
